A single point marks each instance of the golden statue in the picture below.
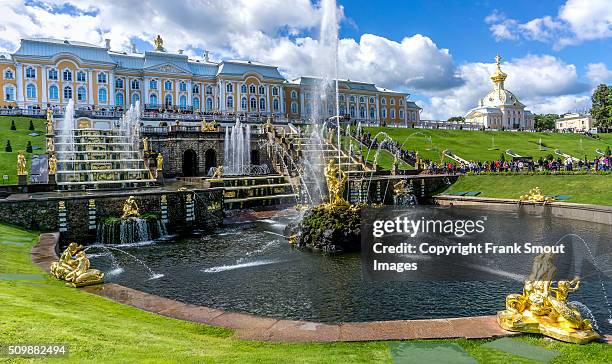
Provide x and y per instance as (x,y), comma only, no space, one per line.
(130,208)
(50,145)
(52,164)
(66,262)
(543,308)
(399,187)
(159,43)
(160,162)
(207,127)
(145,144)
(218,172)
(535,195)
(21,165)
(83,275)
(268,126)
(49,121)
(336,179)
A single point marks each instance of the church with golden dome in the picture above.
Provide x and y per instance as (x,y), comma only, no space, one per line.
(500,108)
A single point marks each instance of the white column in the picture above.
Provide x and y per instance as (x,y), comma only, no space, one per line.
(189,94)
(19,78)
(43,92)
(111,88)
(268,96)
(90,94)
(221,96)
(176,92)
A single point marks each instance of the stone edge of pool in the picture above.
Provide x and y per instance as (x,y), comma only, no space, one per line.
(261,328)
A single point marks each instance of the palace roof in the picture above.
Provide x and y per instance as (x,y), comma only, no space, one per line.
(48,48)
(236,68)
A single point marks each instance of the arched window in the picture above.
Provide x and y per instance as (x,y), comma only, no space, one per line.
(102,96)
(168,85)
(274,91)
(383,101)
(81,94)
(195,89)
(81,76)
(362,112)
(401,113)
(243,89)
(392,101)
(31,91)
(275,105)
(371,100)
(401,102)
(392,113)
(153,84)
(101,77)
(30,72)
(168,101)
(229,87)
(372,113)
(135,99)
(352,111)
(352,99)
(119,83)
(384,113)
(52,74)
(153,100)
(209,90)
(243,103)
(362,99)
(341,98)
(183,101)
(293,95)
(53,93)
(230,102)
(67,75)
(262,104)
(262,90)
(67,93)
(195,103)
(135,86)
(252,89)
(9,93)
(209,104)
(119,99)
(8,75)
(294,107)
(182,86)
(253,104)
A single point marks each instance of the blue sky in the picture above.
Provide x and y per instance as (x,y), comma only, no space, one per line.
(440,51)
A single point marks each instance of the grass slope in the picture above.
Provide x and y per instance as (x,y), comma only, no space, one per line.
(102,331)
(19,139)
(590,189)
(477,145)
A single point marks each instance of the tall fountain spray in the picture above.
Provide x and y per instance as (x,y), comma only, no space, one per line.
(237,149)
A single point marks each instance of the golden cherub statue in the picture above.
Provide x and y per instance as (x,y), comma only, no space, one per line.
(336,179)
(543,308)
(21,165)
(160,162)
(130,208)
(52,164)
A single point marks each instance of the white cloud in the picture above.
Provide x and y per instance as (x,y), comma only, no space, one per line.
(598,73)
(577,21)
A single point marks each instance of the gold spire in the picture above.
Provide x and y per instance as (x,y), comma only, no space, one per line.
(159,43)
(499,76)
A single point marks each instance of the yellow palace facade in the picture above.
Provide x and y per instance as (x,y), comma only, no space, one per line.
(48,72)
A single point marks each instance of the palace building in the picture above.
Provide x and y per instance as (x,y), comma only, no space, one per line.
(48,72)
(500,109)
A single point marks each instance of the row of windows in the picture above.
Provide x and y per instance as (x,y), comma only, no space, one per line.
(352,98)
(251,89)
(31,93)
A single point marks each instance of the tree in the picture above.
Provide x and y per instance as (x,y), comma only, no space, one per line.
(13,127)
(601,109)
(545,121)
(458,119)
(8,147)
(29,147)
(31,127)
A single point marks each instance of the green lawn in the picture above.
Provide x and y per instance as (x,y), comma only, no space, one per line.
(19,139)
(589,189)
(102,331)
(479,145)
(384,160)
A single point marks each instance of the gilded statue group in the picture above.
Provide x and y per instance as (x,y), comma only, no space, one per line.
(336,179)
(74,268)
(543,308)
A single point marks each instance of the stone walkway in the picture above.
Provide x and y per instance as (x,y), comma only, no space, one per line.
(251,327)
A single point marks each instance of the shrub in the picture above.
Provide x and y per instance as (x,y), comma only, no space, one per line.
(8,147)
(31,127)
(29,147)
(13,127)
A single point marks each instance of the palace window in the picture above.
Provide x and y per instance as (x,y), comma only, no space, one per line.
(392,101)
(342,110)
(401,113)
(81,77)
(195,89)
(262,104)
(371,100)
(135,85)
(372,113)
(168,85)
(182,86)
(119,99)
(384,113)
(362,99)
(307,95)
(243,103)
(274,91)
(67,75)
(53,93)
(253,104)
(383,101)
(101,77)
(153,100)
(352,111)
(243,89)
(52,74)
(352,99)
(341,98)
(229,88)
(293,95)
(81,94)
(230,102)
(209,90)
(168,101)
(183,101)
(9,93)
(275,105)
(362,113)
(8,75)
(262,90)
(294,107)
(252,89)
(392,113)
(30,72)
(135,99)
(153,84)
(31,91)
(119,83)
(209,104)
(401,102)
(195,103)
(102,96)
(67,92)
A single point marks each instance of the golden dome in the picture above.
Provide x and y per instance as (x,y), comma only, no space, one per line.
(499,75)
